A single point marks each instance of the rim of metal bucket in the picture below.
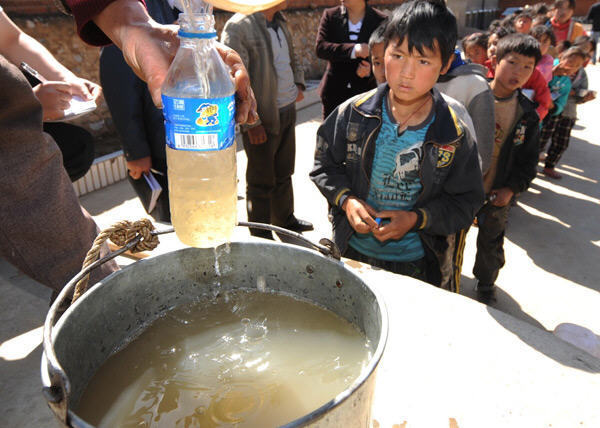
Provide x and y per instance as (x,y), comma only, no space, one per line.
(56,385)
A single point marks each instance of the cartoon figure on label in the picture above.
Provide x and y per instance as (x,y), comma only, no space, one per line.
(407,164)
(209,115)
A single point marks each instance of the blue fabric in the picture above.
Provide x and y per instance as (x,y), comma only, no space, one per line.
(395,185)
(458,61)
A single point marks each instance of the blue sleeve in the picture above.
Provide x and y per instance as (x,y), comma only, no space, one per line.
(561,101)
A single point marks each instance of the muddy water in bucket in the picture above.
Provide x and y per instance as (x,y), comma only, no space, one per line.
(247,358)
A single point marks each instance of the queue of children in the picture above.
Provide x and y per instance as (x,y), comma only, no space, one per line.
(406,175)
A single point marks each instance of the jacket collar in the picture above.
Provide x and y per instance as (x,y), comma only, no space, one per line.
(445,128)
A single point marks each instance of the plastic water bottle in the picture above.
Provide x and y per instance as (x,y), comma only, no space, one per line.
(199,109)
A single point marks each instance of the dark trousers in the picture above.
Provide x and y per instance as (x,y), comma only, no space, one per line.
(491,221)
(76,145)
(415,269)
(269,193)
(558,128)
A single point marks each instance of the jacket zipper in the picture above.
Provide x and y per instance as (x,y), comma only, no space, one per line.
(362,156)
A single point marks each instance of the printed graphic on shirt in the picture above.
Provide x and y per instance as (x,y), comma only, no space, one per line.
(445,155)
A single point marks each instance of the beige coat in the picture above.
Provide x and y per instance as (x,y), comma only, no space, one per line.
(249,36)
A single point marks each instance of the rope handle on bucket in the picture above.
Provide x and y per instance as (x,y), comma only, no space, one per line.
(121,233)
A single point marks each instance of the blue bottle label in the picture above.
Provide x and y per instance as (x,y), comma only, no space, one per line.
(199,124)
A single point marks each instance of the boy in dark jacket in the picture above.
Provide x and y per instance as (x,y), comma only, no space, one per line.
(400,171)
(514,158)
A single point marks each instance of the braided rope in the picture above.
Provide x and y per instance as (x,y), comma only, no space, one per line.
(121,233)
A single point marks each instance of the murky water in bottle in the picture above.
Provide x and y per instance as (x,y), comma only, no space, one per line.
(203,195)
(246,359)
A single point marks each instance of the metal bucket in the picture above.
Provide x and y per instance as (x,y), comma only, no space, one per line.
(118,307)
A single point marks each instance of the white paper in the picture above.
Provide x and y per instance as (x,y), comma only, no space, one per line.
(156,190)
(77,107)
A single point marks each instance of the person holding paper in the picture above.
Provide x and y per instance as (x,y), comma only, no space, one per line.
(57,83)
(55,87)
(43,229)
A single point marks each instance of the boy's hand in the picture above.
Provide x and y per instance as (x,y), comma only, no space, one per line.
(359,214)
(591,95)
(363,69)
(400,223)
(503,197)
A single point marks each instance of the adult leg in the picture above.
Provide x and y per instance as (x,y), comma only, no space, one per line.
(260,181)
(489,260)
(43,229)
(282,199)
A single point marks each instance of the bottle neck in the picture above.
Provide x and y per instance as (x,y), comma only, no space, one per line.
(198,29)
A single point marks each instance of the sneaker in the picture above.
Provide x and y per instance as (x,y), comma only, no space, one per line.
(486,293)
(552,173)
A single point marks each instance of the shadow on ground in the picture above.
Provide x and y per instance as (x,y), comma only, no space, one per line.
(559,214)
(577,359)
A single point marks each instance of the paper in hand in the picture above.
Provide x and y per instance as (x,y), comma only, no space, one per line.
(77,107)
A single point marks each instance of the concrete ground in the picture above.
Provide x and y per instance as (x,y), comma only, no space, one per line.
(450,361)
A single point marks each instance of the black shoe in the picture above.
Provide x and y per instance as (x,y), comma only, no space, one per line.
(486,293)
(297,225)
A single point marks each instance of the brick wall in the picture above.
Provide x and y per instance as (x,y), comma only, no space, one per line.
(580,10)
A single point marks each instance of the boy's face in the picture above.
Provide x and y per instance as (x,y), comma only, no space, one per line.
(411,74)
(544,44)
(492,42)
(523,24)
(572,64)
(476,54)
(563,12)
(377,62)
(513,71)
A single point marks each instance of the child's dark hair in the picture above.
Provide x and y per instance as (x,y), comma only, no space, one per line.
(423,24)
(524,14)
(570,3)
(494,24)
(522,44)
(541,31)
(475,39)
(563,46)
(574,51)
(540,9)
(377,36)
(502,32)
(582,41)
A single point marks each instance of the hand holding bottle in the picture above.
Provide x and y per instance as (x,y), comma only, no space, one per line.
(149,49)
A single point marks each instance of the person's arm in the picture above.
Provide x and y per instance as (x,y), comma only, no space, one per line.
(149,47)
(17,47)
(124,95)
(481,109)
(561,101)
(233,37)
(462,194)
(524,168)
(542,92)
(329,170)
(325,48)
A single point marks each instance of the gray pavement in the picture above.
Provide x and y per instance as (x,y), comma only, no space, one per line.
(450,360)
